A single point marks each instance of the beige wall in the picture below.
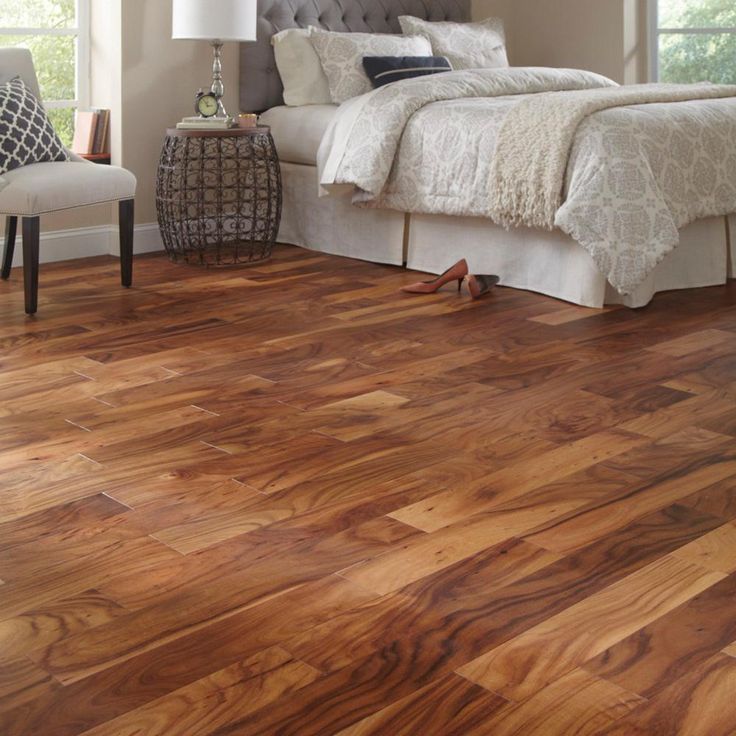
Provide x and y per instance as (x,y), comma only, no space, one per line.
(159,80)
(605,36)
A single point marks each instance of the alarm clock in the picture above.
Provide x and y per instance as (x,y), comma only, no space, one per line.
(206,104)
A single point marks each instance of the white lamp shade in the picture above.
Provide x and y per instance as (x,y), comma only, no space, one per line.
(226,20)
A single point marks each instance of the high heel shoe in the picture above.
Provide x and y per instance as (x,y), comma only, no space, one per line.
(455,273)
(479,284)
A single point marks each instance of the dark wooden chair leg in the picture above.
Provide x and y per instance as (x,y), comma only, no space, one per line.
(31,236)
(126,215)
(11,227)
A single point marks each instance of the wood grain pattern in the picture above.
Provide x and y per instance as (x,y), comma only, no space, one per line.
(577,703)
(673,645)
(701,702)
(524,665)
(463,706)
(294,500)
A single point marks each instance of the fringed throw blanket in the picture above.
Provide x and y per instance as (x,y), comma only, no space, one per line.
(534,143)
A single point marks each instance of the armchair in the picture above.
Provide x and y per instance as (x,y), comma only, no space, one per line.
(37,189)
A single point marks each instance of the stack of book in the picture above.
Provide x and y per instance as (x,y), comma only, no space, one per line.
(91,132)
(199,123)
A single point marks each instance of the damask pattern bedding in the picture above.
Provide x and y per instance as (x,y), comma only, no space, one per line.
(635,174)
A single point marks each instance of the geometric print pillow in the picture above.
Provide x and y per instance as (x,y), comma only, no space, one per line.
(26,134)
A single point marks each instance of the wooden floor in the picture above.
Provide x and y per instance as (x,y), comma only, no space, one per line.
(292,500)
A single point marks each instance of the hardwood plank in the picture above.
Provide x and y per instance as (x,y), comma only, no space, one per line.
(195,608)
(674,645)
(577,703)
(451,706)
(55,621)
(641,498)
(524,665)
(699,703)
(212,702)
(127,685)
(715,551)
(64,518)
(718,499)
(22,681)
(74,575)
(490,598)
(692,343)
(454,505)
(425,554)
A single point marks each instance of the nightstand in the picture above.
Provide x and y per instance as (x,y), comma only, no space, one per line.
(218,195)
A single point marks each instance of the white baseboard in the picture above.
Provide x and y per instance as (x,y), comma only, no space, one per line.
(83,242)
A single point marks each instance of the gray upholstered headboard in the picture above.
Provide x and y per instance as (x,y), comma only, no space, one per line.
(260,85)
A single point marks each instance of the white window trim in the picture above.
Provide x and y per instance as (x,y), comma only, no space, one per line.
(654,32)
(82,67)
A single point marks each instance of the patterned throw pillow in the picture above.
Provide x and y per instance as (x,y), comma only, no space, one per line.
(341,55)
(26,133)
(479,45)
(385,69)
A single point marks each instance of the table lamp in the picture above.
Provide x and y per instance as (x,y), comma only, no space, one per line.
(215,21)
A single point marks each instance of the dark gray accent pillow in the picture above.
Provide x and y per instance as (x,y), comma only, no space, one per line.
(384,69)
(26,133)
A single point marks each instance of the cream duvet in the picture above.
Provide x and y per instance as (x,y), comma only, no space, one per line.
(545,148)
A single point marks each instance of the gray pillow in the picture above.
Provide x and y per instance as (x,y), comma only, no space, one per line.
(479,45)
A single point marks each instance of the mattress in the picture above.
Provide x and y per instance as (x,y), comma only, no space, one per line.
(297,131)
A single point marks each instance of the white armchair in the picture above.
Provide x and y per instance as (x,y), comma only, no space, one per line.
(34,190)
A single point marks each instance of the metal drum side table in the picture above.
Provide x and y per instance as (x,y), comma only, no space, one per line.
(218,195)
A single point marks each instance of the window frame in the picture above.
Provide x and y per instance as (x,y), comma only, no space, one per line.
(655,32)
(81,31)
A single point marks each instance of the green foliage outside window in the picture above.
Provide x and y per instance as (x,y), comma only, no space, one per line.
(697,57)
(53,56)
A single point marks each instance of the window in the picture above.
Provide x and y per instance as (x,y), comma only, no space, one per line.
(693,40)
(57,33)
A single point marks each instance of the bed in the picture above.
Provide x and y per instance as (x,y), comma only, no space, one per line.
(548,261)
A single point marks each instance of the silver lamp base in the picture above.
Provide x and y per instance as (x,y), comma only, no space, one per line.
(218,88)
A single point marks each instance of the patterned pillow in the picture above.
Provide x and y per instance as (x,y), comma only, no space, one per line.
(479,45)
(26,133)
(386,69)
(341,55)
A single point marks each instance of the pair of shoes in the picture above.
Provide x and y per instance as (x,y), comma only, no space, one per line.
(477,284)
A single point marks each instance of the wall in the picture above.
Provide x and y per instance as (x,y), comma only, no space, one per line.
(159,81)
(605,36)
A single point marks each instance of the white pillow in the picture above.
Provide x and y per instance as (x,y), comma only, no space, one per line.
(342,55)
(479,45)
(300,69)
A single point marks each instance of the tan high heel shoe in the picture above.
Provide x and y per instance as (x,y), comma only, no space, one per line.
(479,284)
(455,273)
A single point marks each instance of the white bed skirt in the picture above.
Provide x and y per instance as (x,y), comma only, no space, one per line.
(550,263)
(333,225)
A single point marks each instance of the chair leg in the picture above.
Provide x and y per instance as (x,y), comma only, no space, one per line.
(31,236)
(126,218)
(11,227)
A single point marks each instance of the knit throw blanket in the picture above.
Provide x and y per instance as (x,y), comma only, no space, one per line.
(535,140)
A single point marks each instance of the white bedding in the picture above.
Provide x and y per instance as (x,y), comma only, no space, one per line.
(297,131)
(636,174)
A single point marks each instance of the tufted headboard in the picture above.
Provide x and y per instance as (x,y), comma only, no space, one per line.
(260,85)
